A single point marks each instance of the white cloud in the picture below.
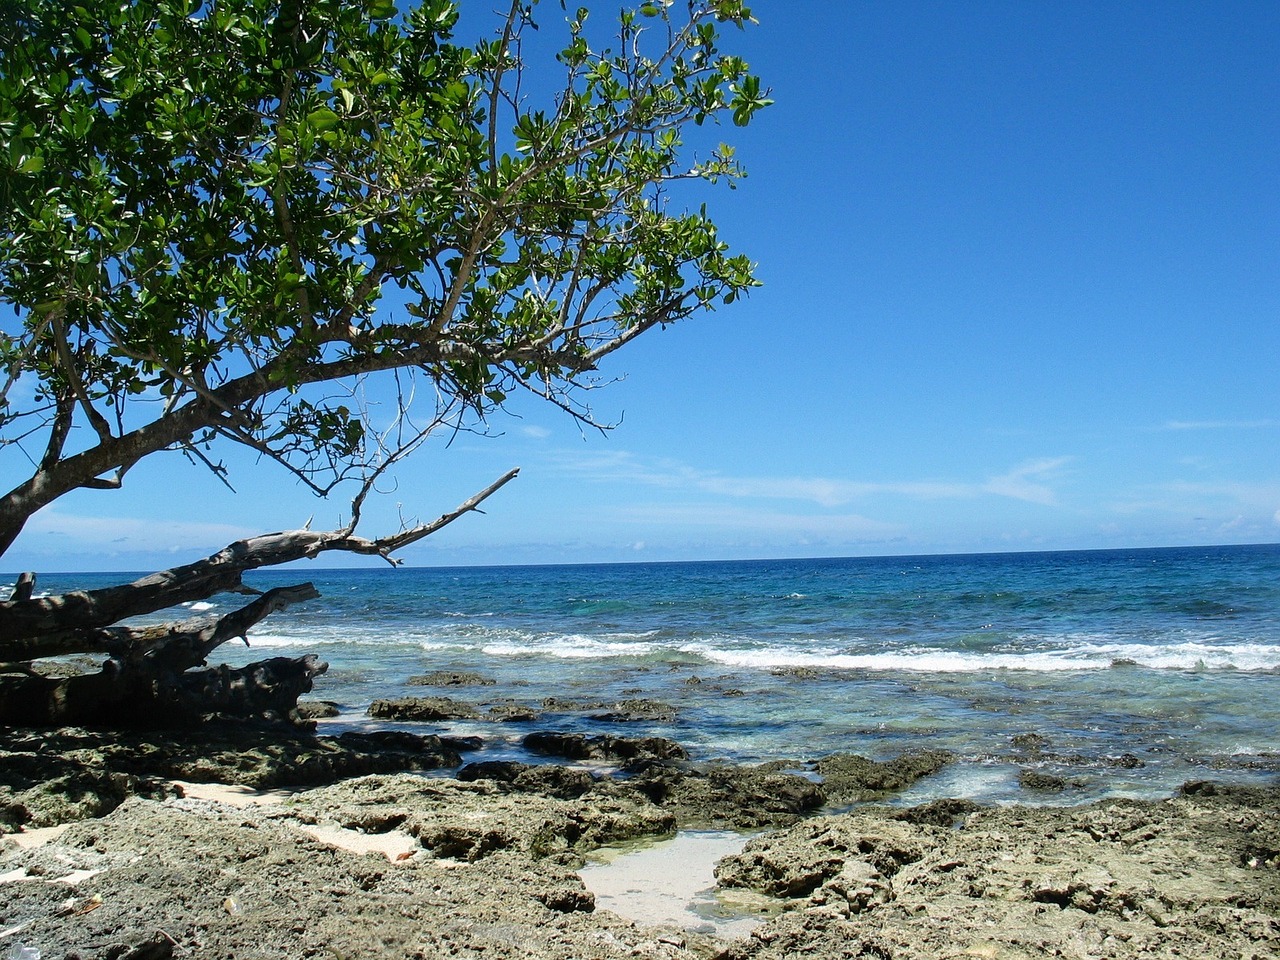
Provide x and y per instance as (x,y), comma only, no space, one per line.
(535,433)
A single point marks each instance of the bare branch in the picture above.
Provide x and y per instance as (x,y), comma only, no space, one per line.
(386,545)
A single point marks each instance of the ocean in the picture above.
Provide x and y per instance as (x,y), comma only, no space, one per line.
(1119,672)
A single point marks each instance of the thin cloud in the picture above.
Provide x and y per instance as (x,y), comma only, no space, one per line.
(1200,499)
(773,523)
(826,492)
(113,533)
(1221,424)
(1025,482)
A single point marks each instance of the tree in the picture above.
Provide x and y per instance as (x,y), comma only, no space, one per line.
(223,221)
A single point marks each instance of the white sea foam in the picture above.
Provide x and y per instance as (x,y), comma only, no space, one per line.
(1033,654)
(343,638)
(576,646)
(1182,656)
(281,640)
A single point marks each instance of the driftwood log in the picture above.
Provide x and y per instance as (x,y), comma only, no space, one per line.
(156,675)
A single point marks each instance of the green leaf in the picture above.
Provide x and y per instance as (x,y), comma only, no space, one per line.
(323,119)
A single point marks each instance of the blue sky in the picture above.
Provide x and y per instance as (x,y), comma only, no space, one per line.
(1022,281)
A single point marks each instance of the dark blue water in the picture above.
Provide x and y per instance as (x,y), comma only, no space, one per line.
(1138,669)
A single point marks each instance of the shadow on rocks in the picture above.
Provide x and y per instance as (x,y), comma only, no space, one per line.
(49,777)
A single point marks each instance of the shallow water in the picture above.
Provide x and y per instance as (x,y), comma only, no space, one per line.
(1138,669)
(672,882)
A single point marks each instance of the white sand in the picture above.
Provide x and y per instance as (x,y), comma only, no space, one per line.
(394,845)
(236,796)
(37,837)
(671,882)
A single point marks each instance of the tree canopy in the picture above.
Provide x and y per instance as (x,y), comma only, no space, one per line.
(219,219)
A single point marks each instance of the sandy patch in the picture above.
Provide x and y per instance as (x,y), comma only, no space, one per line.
(37,836)
(233,794)
(394,844)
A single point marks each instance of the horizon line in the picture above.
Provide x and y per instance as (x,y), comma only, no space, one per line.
(709,560)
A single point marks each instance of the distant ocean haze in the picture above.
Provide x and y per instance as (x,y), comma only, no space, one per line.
(1112,672)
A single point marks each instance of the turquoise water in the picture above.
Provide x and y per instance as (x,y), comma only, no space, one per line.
(1139,669)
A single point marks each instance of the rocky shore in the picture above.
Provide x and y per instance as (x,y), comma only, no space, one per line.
(367,857)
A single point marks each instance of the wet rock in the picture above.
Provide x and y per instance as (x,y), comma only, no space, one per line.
(562,705)
(944,812)
(1269,762)
(462,744)
(1031,743)
(721,796)
(635,711)
(451,678)
(849,778)
(799,673)
(1042,782)
(567,898)
(317,709)
(578,746)
(1126,761)
(513,713)
(401,742)
(571,746)
(543,779)
(504,771)
(422,709)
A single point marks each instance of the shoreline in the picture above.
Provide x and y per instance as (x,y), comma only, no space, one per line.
(396,863)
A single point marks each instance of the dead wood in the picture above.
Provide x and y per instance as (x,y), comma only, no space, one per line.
(150,677)
(52,626)
(153,696)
